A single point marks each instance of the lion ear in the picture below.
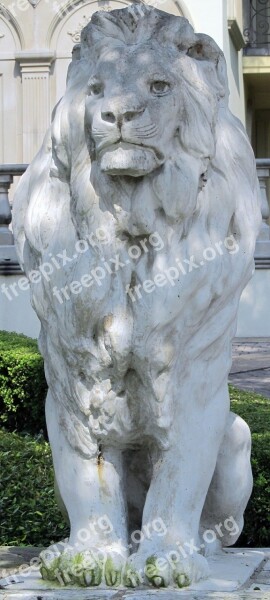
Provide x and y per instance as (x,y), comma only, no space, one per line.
(208,53)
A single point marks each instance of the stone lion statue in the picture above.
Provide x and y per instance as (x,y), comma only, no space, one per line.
(136,225)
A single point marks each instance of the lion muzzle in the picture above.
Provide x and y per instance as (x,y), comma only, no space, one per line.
(129,159)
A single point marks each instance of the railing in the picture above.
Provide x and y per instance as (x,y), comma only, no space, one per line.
(262,252)
(257,27)
(8,258)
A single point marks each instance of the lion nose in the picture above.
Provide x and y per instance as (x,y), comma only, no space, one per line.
(120,115)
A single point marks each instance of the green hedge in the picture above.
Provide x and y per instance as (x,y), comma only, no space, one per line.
(22,384)
(255,410)
(29,513)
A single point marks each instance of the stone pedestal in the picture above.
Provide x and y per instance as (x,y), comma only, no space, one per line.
(235,573)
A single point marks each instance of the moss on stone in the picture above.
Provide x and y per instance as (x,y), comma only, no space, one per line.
(182,580)
(113,575)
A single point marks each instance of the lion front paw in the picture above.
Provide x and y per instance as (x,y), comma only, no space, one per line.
(190,570)
(165,569)
(49,560)
(87,568)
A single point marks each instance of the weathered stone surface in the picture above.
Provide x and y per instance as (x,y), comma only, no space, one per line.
(136,225)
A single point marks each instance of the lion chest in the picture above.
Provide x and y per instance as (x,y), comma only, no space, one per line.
(130,306)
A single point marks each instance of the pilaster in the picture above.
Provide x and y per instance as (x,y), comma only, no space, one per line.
(36,110)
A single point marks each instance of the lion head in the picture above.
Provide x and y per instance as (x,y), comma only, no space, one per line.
(142,88)
(146,109)
(142,141)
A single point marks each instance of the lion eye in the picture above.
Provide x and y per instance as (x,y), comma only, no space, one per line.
(159,87)
(95,89)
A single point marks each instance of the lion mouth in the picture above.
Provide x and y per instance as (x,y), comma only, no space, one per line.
(124,158)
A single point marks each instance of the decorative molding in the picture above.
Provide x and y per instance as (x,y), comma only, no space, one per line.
(44,58)
(76,34)
(12,24)
(65,10)
(236,34)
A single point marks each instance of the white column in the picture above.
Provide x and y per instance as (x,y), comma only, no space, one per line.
(36,109)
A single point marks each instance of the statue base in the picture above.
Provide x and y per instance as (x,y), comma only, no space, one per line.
(237,573)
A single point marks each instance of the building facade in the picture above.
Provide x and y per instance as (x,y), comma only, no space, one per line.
(37,38)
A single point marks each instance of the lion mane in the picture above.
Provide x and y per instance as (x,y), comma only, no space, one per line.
(109,360)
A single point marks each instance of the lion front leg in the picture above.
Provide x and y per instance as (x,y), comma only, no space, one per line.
(91,490)
(181,479)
